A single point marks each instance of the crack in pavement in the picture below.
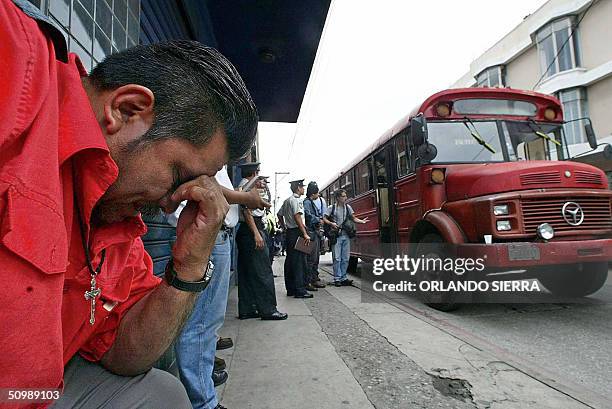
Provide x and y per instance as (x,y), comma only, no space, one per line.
(387,376)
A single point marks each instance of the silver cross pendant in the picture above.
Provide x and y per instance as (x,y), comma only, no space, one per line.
(91,295)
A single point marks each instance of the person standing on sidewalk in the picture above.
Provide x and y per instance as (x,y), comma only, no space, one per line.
(314,227)
(339,216)
(291,215)
(256,294)
(195,347)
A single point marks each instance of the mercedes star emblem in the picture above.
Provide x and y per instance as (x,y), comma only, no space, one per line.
(572,213)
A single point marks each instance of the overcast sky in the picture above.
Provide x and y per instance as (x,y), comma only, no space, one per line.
(376,61)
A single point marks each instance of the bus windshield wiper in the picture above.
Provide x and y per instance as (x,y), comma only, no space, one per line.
(538,131)
(476,135)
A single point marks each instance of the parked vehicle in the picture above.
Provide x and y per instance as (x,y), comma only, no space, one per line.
(485,169)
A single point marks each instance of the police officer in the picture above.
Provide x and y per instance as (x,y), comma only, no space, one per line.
(291,214)
(256,294)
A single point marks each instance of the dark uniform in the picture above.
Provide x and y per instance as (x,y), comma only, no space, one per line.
(295,263)
(256,294)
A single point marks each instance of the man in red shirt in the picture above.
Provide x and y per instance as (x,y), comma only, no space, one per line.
(80,157)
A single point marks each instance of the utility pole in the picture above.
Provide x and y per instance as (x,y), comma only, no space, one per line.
(276,196)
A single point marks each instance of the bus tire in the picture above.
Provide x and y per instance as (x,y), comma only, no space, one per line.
(352,265)
(577,280)
(430,247)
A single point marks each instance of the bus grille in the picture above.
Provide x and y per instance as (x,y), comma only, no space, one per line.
(587,177)
(540,178)
(597,214)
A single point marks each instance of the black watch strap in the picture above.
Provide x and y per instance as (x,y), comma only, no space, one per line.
(190,286)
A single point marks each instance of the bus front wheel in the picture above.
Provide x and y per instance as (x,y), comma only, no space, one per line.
(431,246)
(577,280)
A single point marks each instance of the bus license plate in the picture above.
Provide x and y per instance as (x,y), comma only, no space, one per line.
(517,252)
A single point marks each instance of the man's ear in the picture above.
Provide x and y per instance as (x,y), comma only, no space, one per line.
(128,105)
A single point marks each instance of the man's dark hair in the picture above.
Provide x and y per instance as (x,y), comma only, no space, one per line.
(339,192)
(197,92)
(294,187)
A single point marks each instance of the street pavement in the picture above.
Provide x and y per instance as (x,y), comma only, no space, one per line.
(350,349)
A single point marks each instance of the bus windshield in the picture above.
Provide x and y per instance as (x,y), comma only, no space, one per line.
(495,141)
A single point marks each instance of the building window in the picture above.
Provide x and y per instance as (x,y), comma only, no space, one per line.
(558,47)
(95,28)
(574,101)
(491,77)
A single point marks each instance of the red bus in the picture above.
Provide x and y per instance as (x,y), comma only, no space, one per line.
(488,168)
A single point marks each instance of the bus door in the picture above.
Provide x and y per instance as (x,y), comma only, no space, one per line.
(382,172)
(406,187)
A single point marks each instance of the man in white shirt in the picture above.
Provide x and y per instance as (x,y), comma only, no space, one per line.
(291,214)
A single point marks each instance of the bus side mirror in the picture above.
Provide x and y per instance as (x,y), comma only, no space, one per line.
(607,152)
(427,152)
(590,135)
(418,130)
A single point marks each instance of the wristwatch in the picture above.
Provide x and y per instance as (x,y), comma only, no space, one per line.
(190,286)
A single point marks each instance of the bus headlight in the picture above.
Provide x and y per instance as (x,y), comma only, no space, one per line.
(545,231)
(500,210)
(503,225)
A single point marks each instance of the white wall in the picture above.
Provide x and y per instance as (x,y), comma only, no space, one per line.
(524,71)
(599,97)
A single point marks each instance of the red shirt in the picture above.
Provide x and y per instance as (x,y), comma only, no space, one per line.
(48,132)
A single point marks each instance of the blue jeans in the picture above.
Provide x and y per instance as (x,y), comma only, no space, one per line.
(341,253)
(195,347)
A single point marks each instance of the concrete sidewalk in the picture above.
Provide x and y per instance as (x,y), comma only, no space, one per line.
(336,351)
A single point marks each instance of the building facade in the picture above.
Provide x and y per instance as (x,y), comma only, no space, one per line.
(563,49)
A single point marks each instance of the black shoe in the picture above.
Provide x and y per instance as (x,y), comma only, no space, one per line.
(219,377)
(275,316)
(306,295)
(290,294)
(219,364)
(311,287)
(224,343)
(346,282)
(248,315)
(219,406)
(337,283)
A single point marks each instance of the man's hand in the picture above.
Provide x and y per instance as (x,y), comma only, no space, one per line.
(306,239)
(259,241)
(255,201)
(198,225)
(335,226)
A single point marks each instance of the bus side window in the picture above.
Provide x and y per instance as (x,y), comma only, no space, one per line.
(362,178)
(401,153)
(347,183)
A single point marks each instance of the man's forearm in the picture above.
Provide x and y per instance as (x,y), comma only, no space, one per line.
(248,217)
(234,196)
(148,329)
(300,223)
